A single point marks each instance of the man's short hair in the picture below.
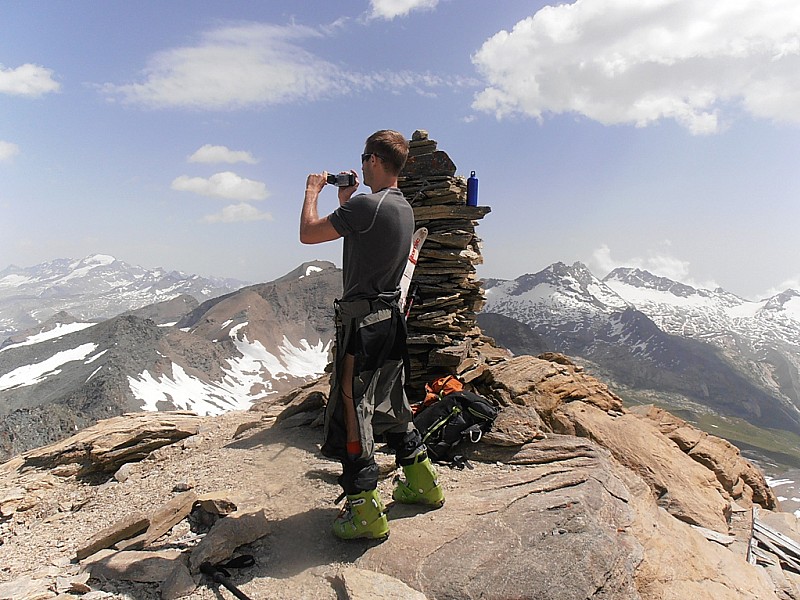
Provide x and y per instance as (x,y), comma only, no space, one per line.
(391,146)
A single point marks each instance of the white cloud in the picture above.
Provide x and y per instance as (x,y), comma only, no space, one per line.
(27,80)
(259,65)
(602,263)
(238,213)
(389,9)
(8,150)
(254,64)
(635,61)
(658,262)
(793,283)
(226,185)
(221,154)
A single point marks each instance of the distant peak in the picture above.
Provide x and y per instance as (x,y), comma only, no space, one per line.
(645,279)
(630,275)
(779,301)
(308,268)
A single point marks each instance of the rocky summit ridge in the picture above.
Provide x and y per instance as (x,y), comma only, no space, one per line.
(571,495)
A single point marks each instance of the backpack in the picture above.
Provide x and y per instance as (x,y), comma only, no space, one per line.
(458,416)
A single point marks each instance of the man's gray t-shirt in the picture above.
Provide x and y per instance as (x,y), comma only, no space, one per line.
(377,230)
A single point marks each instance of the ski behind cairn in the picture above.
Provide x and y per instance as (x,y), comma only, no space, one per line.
(405,281)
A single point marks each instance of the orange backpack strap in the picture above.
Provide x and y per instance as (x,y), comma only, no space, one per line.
(440,387)
(450,385)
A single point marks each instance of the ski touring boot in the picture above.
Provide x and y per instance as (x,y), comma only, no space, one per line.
(420,485)
(363,516)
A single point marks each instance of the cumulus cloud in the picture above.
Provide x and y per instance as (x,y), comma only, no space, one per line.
(658,262)
(231,67)
(226,185)
(629,61)
(389,9)
(238,213)
(27,80)
(221,154)
(8,150)
(257,65)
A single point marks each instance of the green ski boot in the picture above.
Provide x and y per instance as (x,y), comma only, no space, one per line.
(363,516)
(421,485)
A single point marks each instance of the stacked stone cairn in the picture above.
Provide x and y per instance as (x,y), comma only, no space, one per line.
(443,334)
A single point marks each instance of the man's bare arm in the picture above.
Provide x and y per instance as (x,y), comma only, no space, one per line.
(313,229)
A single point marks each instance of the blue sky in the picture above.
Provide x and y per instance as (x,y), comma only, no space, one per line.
(654,133)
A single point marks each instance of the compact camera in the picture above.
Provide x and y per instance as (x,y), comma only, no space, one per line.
(342,179)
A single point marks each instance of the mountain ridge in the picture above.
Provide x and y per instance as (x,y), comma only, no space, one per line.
(650,335)
(221,355)
(651,352)
(95,287)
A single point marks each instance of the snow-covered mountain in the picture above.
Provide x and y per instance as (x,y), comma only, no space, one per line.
(557,295)
(761,338)
(704,349)
(224,354)
(94,288)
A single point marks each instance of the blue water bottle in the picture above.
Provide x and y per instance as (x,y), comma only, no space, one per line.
(472,190)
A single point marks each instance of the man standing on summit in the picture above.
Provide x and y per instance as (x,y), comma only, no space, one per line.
(367,396)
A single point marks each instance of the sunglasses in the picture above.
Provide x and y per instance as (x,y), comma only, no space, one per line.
(365,157)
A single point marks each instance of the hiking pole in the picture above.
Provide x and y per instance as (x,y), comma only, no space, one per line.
(220,574)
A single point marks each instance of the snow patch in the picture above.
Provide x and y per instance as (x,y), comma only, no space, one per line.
(248,378)
(303,361)
(14,280)
(184,392)
(792,308)
(93,374)
(643,296)
(58,331)
(37,372)
(91,359)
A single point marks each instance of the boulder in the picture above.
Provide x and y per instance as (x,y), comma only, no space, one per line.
(10,500)
(678,562)
(685,488)
(116,532)
(731,469)
(107,445)
(25,588)
(360,584)
(162,520)
(429,163)
(515,426)
(505,535)
(546,384)
(132,565)
(178,583)
(227,534)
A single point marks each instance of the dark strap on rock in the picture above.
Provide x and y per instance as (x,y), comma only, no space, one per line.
(460,462)
(220,574)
